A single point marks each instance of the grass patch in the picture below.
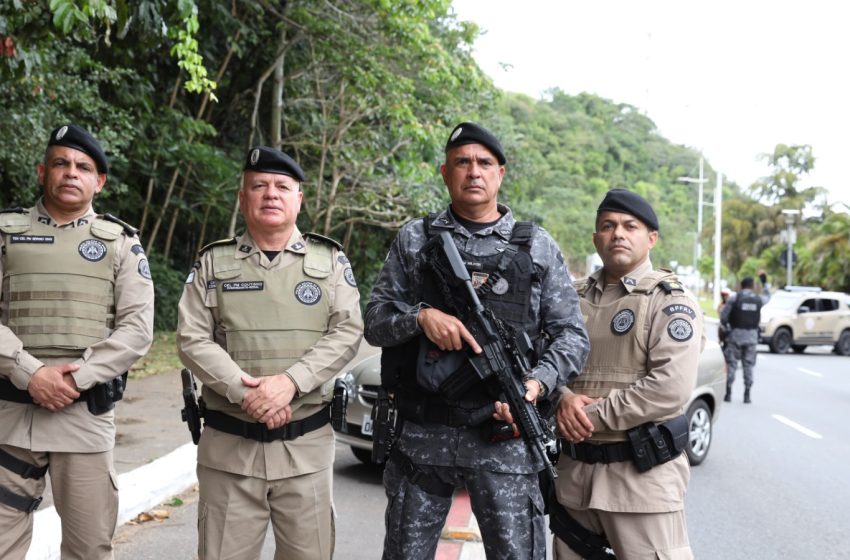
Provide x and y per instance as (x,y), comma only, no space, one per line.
(160,358)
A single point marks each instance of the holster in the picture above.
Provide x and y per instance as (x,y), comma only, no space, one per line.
(339,405)
(653,445)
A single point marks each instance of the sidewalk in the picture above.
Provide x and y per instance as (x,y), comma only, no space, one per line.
(155,460)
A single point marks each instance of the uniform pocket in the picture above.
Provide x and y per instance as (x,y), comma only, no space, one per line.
(538,525)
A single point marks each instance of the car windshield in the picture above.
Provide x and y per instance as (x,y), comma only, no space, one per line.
(783,301)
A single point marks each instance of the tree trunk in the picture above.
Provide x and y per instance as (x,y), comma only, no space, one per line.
(277,95)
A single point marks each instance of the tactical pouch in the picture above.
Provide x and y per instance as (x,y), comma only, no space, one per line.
(339,405)
(102,397)
(384,418)
(653,445)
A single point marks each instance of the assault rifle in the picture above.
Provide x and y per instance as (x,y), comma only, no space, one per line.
(504,352)
(192,412)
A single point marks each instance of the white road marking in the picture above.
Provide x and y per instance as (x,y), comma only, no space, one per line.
(810,372)
(802,429)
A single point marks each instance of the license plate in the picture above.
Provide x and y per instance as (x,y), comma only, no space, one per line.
(366,427)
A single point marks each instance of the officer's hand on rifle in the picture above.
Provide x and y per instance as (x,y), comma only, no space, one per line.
(503,411)
(446,331)
(571,418)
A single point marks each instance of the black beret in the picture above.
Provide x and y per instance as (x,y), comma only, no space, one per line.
(269,160)
(628,202)
(471,133)
(78,138)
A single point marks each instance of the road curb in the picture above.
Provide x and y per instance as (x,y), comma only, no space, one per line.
(138,491)
(461,537)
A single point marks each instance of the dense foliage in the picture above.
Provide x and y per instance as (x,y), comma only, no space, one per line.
(362,93)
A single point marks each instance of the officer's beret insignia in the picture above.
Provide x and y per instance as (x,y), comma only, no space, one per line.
(92,250)
(144,269)
(623,322)
(308,293)
(61,132)
(255,156)
(348,274)
(680,330)
(456,133)
(679,308)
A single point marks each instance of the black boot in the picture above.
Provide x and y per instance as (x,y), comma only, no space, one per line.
(747,396)
(728,397)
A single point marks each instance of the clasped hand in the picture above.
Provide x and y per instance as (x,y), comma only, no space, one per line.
(53,387)
(268,399)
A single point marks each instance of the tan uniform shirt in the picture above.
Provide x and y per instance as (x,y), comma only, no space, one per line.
(201,346)
(74,428)
(671,376)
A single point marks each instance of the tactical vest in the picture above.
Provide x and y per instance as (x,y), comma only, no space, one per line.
(618,353)
(746,313)
(59,283)
(270,318)
(503,281)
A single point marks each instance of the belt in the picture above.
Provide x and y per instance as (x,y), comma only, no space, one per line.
(21,468)
(20,503)
(8,392)
(424,412)
(259,432)
(603,453)
(429,483)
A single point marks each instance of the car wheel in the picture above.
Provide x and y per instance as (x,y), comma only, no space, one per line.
(363,455)
(843,345)
(781,341)
(699,428)
(798,348)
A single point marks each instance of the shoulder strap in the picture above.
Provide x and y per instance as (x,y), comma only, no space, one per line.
(523,233)
(208,246)
(427,222)
(661,277)
(15,210)
(328,240)
(14,221)
(581,285)
(129,230)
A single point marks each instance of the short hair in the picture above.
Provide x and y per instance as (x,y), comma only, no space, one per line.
(747,283)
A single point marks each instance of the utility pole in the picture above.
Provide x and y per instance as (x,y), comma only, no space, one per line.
(697,245)
(718,210)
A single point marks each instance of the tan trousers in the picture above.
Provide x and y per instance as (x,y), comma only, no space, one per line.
(85,494)
(634,536)
(234,512)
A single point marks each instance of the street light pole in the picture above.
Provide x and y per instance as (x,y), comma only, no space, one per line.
(718,210)
(790,216)
(697,246)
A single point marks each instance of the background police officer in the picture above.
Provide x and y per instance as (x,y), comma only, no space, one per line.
(265,321)
(77,312)
(740,318)
(646,334)
(521,276)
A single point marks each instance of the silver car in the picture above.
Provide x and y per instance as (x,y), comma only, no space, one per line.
(365,377)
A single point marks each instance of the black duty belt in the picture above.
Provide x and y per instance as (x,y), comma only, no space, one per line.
(429,412)
(100,398)
(598,453)
(21,468)
(259,432)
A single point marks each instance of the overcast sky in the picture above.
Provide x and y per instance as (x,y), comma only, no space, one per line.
(730,78)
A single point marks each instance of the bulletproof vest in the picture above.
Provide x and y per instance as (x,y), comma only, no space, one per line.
(503,282)
(746,313)
(618,353)
(59,283)
(270,318)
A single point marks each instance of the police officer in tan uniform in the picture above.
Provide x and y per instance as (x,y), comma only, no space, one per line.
(266,321)
(76,311)
(623,473)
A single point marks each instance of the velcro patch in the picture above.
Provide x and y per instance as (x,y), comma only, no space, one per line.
(246,286)
(679,308)
(680,330)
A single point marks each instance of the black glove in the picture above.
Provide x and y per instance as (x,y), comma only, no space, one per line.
(763,278)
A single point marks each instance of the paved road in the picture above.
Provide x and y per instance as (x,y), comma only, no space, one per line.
(774,484)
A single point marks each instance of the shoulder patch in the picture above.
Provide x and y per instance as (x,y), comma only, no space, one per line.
(128,229)
(348,274)
(322,238)
(15,210)
(680,329)
(219,243)
(679,308)
(144,269)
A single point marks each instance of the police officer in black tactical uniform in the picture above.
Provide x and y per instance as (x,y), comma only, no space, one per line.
(740,317)
(458,441)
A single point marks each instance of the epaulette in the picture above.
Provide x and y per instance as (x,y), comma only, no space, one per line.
(128,229)
(15,210)
(328,240)
(220,242)
(672,286)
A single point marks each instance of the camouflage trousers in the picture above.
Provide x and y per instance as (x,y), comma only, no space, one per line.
(508,508)
(744,353)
